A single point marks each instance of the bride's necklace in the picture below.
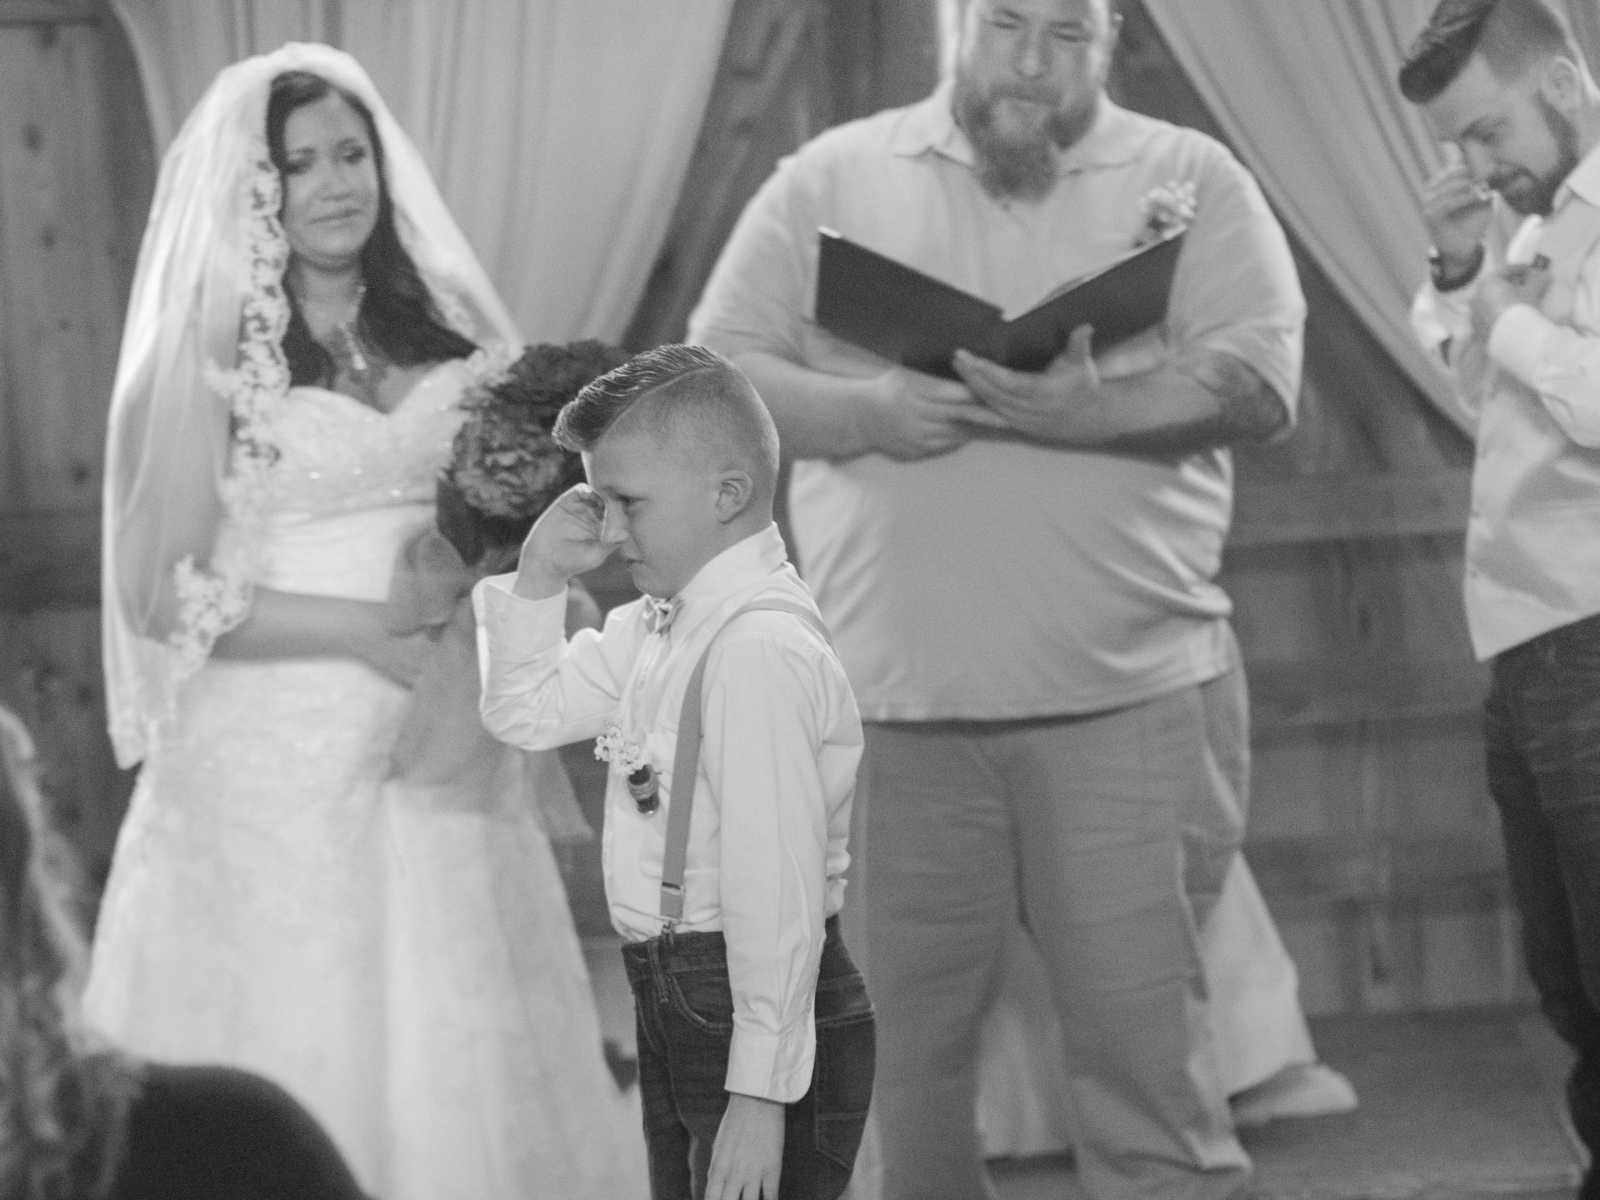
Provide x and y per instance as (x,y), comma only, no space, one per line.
(360,373)
(354,361)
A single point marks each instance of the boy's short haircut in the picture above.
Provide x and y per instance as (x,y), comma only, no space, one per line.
(1511,35)
(675,391)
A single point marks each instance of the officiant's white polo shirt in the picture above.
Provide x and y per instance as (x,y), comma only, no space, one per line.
(1006,579)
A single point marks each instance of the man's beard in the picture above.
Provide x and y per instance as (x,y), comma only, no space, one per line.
(1537,195)
(1010,166)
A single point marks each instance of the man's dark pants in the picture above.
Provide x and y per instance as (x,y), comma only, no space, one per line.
(1542,736)
(683,1005)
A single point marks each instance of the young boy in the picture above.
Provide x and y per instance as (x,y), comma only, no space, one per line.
(754,1029)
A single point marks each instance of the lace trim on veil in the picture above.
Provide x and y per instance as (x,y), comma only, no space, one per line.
(208,310)
(216,598)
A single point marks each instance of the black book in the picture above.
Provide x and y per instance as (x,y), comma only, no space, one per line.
(918,321)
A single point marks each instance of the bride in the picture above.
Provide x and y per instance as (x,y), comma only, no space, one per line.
(304,317)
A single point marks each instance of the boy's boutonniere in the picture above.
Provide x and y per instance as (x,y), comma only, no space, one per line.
(644,785)
(1168,211)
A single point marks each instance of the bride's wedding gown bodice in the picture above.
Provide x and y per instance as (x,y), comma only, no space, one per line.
(279,902)
(350,482)
(349,485)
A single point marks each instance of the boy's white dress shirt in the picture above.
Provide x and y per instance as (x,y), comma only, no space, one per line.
(780,745)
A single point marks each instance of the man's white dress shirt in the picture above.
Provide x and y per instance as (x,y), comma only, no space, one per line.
(1533,390)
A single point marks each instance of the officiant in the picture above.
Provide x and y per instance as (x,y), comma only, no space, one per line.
(1019,569)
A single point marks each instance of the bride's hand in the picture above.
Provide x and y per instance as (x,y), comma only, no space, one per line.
(399,656)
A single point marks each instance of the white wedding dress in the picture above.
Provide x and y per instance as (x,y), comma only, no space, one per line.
(400,958)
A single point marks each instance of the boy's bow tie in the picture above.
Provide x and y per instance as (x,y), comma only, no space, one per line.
(658,614)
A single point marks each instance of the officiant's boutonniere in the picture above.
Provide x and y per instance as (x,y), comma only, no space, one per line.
(1168,211)
(644,785)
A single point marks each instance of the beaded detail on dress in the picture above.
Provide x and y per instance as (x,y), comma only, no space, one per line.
(336,454)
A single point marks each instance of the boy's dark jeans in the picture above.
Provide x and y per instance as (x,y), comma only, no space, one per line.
(683,1005)
(1542,735)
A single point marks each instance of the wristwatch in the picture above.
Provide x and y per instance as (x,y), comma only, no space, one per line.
(1449,283)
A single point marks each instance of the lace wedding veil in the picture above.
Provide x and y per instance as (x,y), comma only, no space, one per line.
(201,375)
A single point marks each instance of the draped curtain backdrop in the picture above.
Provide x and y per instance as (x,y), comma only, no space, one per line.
(1306,93)
(558,131)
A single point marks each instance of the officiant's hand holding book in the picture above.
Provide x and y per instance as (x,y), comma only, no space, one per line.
(1060,405)
(913,319)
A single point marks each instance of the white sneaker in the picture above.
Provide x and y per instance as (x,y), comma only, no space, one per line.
(1303,1090)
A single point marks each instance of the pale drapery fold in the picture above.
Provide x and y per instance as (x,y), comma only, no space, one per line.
(558,131)
(1306,93)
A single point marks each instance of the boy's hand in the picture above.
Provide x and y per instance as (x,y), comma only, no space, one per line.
(748,1153)
(565,541)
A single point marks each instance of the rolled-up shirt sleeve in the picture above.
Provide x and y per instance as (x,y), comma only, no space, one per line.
(541,690)
(766,716)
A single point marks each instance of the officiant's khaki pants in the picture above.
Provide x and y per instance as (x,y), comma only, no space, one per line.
(1111,834)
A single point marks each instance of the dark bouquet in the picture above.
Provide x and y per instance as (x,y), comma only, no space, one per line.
(505,468)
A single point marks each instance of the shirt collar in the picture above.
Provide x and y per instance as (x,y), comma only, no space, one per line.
(747,561)
(929,127)
(1583,182)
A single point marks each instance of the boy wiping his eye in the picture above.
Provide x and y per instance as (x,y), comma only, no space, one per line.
(733,740)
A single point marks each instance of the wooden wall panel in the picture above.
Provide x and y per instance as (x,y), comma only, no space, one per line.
(1371,628)
(790,69)
(64,281)
(49,559)
(765,101)
(75,182)
(881,54)
(50,677)
(1371,830)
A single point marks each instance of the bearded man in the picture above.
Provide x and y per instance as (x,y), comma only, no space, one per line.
(1513,310)
(1019,571)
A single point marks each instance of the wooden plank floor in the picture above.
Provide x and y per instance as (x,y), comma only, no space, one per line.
(1462,1105)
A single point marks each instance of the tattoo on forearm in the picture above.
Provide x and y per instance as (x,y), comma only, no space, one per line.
(1248,410)
(1251,410)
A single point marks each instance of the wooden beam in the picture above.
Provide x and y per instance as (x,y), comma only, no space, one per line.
(49,560)
(51,12)
(1380,868)
(771,90)
(1320,508)
(1308,694)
